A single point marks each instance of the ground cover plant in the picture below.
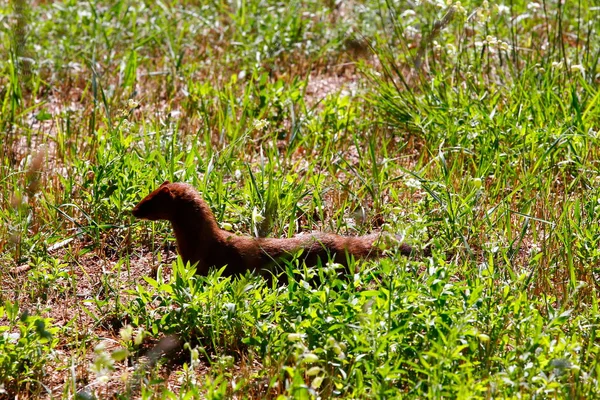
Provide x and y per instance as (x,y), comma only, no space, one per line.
(469,128)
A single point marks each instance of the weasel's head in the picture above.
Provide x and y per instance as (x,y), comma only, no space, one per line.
(157,205)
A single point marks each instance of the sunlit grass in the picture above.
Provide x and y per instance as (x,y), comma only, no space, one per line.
(468,128)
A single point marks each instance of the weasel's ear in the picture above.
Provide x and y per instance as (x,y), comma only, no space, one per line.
(164,183)
(165,190)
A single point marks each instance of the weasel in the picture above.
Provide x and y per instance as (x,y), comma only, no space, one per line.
(201,241)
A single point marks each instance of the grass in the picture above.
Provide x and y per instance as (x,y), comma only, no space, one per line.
(471,128)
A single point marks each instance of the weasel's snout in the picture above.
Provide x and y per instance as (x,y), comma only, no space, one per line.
(135,211)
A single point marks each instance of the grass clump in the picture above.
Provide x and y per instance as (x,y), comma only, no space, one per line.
(511,131)
(27,343)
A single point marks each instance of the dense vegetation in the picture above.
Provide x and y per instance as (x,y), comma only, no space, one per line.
(468,127)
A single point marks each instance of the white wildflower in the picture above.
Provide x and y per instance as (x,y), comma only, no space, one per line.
(413,183)
(491,40)
(578,68)
(458,8)
(132,104)
(501,9)
(538,67)
(534,249)
(257,217)
(472,135)
(260,124)
(483,12)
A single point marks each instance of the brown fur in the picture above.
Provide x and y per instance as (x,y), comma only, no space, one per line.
(199,238)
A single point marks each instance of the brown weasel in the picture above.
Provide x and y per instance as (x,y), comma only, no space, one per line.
(200,240)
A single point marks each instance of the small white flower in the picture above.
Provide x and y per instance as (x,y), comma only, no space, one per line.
(260,124)
(491,40)
(12,337)
(557,64)
(483,12)
(472,135)
(257,217)
(578,68)
(458,8)
(501,9)
(131,104)
(482,15)
(413,183)
(535,248)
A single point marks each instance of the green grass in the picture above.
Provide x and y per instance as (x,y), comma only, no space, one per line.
(468,128)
